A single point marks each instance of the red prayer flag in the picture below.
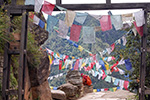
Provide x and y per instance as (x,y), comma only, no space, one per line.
(60,64)
(126,83)
(113,58)
(75,32)
(104,75)
(31,15)
(139,29)
(106,89)
(76,65)
(112,67)
(105,22)
(48,8)
(113,47)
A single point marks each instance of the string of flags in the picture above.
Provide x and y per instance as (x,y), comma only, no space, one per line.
(55,76)
(94,62)
(113,89)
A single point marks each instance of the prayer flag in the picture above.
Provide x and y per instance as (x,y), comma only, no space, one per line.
(121,84)
(38,5)
(98,90)
(80,48)
(106,89)
(63,28)
(101,62)
(139,29)
(111,89)
(127,17)
(97,17)
(128,64)
(48,8)
(108,79)
(51,22)
(121,62)
(61,8)
(76,65)
(116,82)
(36,20)
(88,34)
(69,17)
(105,22)
(116,20)
(31,15)
(60,64)
(41,24)
(75,32)
(112,47)
(124,40)
(108,50)
(115,88)
(139,18)
(81,17)
(29,2)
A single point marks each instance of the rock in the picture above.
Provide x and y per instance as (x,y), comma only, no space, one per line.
(40,73)
(58,95)
(41,92)
(88,89)
(70,90)
(74,77)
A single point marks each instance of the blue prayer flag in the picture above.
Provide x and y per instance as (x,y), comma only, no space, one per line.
(103,64)
(41,24)
(128,64)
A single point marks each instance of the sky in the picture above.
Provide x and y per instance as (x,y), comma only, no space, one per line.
(101,12)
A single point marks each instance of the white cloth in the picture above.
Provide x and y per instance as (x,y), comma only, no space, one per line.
(109,59)
(38,5)
(108,50)
(124,40)
(121,71)
(121,62)
(121,84)
(36,20)
(127,17)
(139,18)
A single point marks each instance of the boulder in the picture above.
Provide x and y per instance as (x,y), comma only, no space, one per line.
(70,90)
(41,92)
(58,95)
(74,77)
(87,89)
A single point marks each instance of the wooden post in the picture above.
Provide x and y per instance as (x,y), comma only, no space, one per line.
(108,2)
(22,57)
(143,60)
(58,2)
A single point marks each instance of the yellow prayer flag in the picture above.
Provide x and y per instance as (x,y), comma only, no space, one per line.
(45,26)
(107,65)
(83,65)
(51,87)
(94,90)
(73,57)
(50,60)
(80,48)
(115,88)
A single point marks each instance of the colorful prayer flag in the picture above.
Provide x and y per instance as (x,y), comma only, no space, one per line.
(105,23)
(127,17)
(48,8)
(63,28)
(41,24)
(139,18)
(69,17)
(88,34)
(116,20)
(81,17)
(75,32)
(36,20)
(128,64)
(139,29)
(38,5)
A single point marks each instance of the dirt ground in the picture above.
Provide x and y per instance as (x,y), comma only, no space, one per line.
(108,95)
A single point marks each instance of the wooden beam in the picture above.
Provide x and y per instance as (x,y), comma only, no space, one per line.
(143,59)
(22,55)
(87,6)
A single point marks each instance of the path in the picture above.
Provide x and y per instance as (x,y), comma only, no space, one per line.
(108,95)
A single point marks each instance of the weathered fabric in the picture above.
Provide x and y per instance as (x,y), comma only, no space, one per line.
(75,32)
(63,28)
(139,18)
(81,17)
(139,29)
(48,8)
(127,17)
(97,17)
(69,17)
(116,20)
(108,79)
(61,8)
(88,34)
(38,5)
(51,22)
(29,2)
(105,22)
(124,40)
(36,20)
(41,24)
(128,64)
